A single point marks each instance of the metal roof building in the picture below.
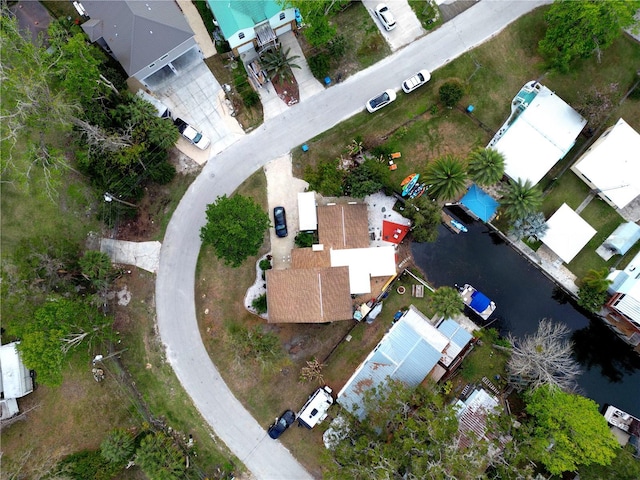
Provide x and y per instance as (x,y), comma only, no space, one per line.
(411,350)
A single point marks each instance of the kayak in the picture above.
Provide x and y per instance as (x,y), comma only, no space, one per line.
(409,186)
(407,180)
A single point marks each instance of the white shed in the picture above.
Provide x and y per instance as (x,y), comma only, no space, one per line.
(307,213)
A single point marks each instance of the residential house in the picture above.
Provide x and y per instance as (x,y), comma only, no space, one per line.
(611,166)
(472,416)
(624,306)
(15,380)
(567,234)
(412,350)
(151,39)
(252,24)
(319,286)
(540,131)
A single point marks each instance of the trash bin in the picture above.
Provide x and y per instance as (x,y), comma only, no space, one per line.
(305,147)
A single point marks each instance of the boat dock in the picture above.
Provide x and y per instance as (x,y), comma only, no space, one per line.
(446,220)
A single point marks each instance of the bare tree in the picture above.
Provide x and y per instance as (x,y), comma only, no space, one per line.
(312,372)
(544,358)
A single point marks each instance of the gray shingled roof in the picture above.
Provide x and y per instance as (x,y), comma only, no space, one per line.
(138,32)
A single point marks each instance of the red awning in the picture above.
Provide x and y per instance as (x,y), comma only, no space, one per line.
(393,232)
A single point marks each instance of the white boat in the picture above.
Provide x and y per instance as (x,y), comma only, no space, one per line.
(625,427)
(477,301)
(459,225)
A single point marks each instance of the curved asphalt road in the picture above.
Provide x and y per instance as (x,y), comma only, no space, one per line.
(265,458)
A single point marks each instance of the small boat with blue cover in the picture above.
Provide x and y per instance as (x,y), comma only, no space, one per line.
(477,301)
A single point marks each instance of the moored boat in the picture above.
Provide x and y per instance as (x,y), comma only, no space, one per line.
(477,301)
(459,225)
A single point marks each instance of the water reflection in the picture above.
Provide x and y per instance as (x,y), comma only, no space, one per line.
(524,296)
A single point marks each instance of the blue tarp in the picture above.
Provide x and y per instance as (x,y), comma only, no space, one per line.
(480,203)
(479,301)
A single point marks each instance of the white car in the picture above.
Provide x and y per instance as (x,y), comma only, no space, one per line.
(382,100)
(415,81)
(385,16)
(191,134)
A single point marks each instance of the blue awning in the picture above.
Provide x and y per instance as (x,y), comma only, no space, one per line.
(480,203)
(479,301)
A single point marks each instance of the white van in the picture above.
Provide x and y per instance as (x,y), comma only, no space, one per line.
(163,110)
(315,410)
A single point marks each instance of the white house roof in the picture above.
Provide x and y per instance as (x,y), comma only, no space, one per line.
(539,136)
(630,303)
(365,263)
(612,164)
(568,233)
(307,213)
(15,380)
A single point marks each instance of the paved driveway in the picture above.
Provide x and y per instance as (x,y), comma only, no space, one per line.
(408,27)
(175,284)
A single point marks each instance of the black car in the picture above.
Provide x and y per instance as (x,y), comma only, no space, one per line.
(281,424)
(280,219)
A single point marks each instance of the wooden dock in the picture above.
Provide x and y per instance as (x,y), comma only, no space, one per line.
(446,220)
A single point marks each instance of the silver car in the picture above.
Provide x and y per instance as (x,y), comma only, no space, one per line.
(415,81)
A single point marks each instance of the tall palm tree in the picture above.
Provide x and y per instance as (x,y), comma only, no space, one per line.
(447,178)
(521,199)
(278,64)
(597,279)
(486,166)
(446,301)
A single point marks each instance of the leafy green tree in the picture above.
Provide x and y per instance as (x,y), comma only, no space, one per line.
(446,301)
(118,446)
(568,431)
(316,15)
(623,467)
(521,199)
(451,93)
(260,304)
(365,179)
(304,239)
(159,458)
(578,29)
(58,326)
(84,465)
(235,228)
(409,433)
(486,166)
(447,178)
(425,217)
(279,63)
(592,294)
(597,279)
(326,178)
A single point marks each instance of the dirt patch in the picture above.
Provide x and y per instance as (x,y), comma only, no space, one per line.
(287,89)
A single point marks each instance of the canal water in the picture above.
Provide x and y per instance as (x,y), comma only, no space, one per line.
(523,295)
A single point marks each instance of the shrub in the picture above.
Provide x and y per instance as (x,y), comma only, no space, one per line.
(162,173)
(338,46)
(450,93)
(304,239)
(260,304)
(319,65)
(118,447)
(265,264)
(88,464)
(250,98)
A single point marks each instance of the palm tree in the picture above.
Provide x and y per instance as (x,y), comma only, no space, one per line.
(486,166)
(447,178)
(521,199)
(279,64)
(532,227)
(597,279)
(446,301)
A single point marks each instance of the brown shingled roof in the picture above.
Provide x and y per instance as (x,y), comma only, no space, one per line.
(343,226)
(307,258)
(314,295)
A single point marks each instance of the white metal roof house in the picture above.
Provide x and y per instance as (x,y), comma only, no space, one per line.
(411,350)
(540,131)
(15,379)
(567,234)
(624,305)
(151,39)
(611,166)
(363,264)
(307,212)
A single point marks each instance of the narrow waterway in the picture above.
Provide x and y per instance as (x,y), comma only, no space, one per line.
(523,295)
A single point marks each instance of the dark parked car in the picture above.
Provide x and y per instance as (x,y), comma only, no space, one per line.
(281,424)
(280,219)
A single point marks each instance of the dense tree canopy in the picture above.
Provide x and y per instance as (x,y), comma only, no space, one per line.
(410,434)
(577,29)
(425,218)
(568,431)
(160,458)
(446,301)
(235,228)
(57,326)
(365,179)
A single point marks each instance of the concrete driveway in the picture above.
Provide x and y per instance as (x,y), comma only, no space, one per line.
(408,26)
(282,190)
(175,283)
(197,97)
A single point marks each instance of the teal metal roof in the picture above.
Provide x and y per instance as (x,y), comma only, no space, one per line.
(234,15)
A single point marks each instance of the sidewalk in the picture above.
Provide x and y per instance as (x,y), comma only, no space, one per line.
(203,37)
